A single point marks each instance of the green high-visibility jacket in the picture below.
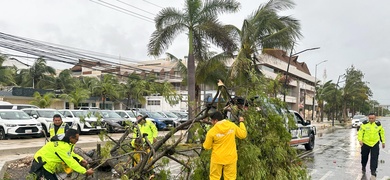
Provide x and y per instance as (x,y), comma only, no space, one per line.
(56,152)
(149,128)
(370,133)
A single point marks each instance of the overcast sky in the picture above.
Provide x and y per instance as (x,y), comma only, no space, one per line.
(348,32)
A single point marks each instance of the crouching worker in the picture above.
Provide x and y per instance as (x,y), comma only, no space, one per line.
(50,158)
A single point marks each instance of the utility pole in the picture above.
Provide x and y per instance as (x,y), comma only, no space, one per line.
(315,88)
(288,67)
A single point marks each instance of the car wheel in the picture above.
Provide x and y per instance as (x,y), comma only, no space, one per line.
(45,131)
(3,136)
(109,128)
(79,129)
(310,144)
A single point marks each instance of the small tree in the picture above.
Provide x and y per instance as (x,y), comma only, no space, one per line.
(43,101)
(77,96)
(265,153)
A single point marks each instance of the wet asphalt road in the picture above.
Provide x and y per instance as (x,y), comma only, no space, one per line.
(337,156)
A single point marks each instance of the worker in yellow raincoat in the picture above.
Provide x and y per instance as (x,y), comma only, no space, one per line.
(221,139)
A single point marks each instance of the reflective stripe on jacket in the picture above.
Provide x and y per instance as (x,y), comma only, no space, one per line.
(221,139)
(61,130)
(371,133)
(56,152)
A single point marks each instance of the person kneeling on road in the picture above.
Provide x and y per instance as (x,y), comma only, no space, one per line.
(50,157)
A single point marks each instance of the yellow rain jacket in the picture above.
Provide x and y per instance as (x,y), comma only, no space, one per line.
(221,139)
(149,128)
(56,152)
(371,133)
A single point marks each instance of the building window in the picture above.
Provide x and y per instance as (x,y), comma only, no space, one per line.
(176,75)
(153,102)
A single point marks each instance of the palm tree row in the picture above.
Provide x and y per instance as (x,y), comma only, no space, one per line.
(77,90)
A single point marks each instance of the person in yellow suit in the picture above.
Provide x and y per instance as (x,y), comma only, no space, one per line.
(48,160)
(370,133)
(145,127)
(221,139)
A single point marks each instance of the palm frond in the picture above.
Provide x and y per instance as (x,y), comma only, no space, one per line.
(162,38)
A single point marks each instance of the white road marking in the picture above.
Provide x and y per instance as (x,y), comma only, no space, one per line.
(385,178)
(326,175)
(387,152)
(359,177)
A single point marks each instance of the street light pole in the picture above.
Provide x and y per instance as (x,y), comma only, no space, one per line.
(315,88)
(288,67)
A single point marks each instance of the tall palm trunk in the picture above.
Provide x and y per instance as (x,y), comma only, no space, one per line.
(191,76)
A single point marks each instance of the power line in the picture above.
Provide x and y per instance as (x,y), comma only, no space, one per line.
(153,4)
(57,54)
(120,9)
(136,8)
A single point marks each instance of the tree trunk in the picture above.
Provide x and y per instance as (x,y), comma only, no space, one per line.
(191,79)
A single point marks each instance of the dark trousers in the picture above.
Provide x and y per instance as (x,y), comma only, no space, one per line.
(38,171)
(374,151)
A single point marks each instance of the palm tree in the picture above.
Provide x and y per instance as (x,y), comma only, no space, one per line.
(135,89)
(263,29)
(199,20)
(43,101)
(37,75)
(64,81)
(107,87)
(208,71)
(6,73)
(323,91)
(77,96)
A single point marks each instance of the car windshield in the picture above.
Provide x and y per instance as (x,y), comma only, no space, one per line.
(108,114)
(132,114)
(170,115)
(155,115)
(82,113)
(48,113)
(14,115)
(358,116)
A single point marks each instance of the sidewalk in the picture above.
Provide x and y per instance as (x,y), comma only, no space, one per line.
(326,126)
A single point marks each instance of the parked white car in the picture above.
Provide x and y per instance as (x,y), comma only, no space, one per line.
(357,120)
(128,114)
(84,121)
(16,123)
(45,117)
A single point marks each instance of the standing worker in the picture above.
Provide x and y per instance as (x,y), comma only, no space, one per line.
(145,127)
(369,135)
(50,157)
(221,139)
(58,127)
